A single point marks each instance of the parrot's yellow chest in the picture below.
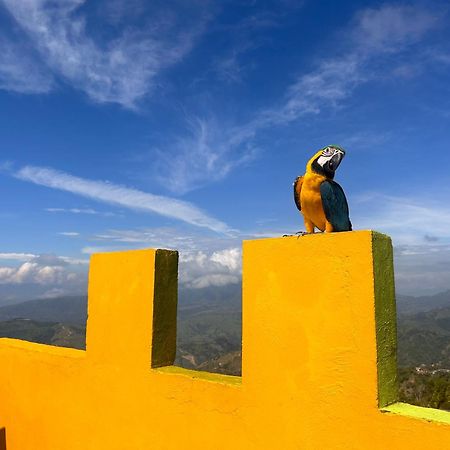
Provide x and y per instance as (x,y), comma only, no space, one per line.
(311,200)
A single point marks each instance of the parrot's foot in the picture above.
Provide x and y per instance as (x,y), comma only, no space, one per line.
(298,234)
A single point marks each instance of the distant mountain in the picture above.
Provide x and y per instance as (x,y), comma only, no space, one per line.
(210,322)
(412,305)
(424,338)
(72,310)
(59,334)
(209,325)
(228,364)
(209,335)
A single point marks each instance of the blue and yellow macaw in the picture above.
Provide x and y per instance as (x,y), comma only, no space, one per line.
(320,199)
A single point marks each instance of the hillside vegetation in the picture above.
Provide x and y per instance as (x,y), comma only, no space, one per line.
(209,335)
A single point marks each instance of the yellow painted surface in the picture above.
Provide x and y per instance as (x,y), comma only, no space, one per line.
(309,364)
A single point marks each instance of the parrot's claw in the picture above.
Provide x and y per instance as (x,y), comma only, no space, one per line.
(298,234)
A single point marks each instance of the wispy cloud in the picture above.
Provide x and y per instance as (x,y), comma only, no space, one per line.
(410,221)
(69,233)
(120,195)
(122,69)
(232,67)
(209,152)
(389,28)
(48,259)
(30,272)
(166,237)
(20,69)
(17,256)
(88,211)
(376,34)
(422,269)
(40,276)
(420,230)
(199,270)
(247,35)
(118,11)
(91,249)
(204,261)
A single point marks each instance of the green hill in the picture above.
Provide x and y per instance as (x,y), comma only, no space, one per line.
(209,327)
(414,305)
(424,338)
(70,309)
(209,324)
(59,334)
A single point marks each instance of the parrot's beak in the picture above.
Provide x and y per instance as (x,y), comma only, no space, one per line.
(334,162)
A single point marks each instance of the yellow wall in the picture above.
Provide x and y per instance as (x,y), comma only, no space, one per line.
(310,373)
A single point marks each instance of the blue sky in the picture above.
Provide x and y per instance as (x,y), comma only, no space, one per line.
(128,124)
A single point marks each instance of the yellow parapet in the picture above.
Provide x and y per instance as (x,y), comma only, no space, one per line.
(319,369)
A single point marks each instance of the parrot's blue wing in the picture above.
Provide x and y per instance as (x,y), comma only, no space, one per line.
(297,191)
(335,206)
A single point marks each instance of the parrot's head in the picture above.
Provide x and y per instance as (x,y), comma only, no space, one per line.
(326,161)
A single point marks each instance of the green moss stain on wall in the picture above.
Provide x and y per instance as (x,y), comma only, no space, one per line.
(386,319)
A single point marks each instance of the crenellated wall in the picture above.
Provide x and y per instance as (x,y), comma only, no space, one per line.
(319,369)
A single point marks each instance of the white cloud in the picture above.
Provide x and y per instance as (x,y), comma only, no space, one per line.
(229,258)
(48,259)
(69,233)
(27,276)
(179,238)
(209,152)
(204,260)
(441,56)
(88,211)
(376,33)
(154,238)
(196,269)
(118,11)
(391,27)
(53,293)
(213,280)
(73,261)
(212,150)
(89,250)
(200,269)
(420,232)
(34,272)
(330,84)
(20,71)
(422,269)
(17,256)
(122,196)
(410,221)
(121,70)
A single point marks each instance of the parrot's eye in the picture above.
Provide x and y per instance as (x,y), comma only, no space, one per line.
(327,152)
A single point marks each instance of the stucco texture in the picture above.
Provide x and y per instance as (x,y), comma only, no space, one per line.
(318,347)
